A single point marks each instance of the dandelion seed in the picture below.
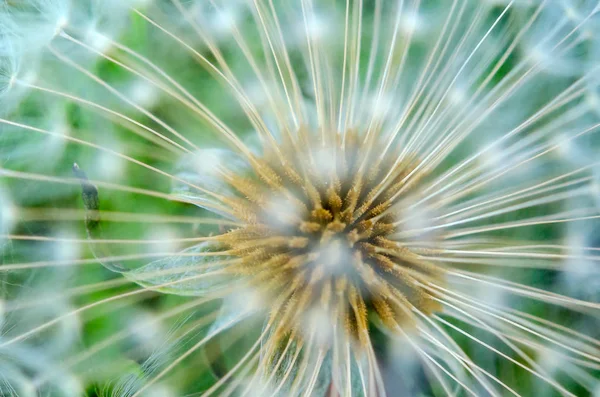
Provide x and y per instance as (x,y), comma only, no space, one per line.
(368,198)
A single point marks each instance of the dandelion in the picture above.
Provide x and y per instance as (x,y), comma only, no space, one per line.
(312,198)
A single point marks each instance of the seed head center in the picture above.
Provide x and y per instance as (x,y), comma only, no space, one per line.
(321,236)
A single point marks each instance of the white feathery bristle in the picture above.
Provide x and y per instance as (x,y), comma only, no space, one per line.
(405,364)
(146,330)
(144,94)
(515,3)
(12,72)
(334,257)
(257,95)
(97,40)
(259,387)
(317,28)
(485,293)
(592,95)
(595,187)
(571,13)
(567,149)
(108,166)
(399,351)
(202,169)
(540,55)
(493,157)
(458,95)
(29,77)
(10,57)
(70,386)
(578,151)
(576,240)
(247,300)
(253,143)
(61,337)
(554,53)
(42,21)
(381,107)
(65,249)
(56,143)
(319,319)
(219,21)
(8,212)
(166,237)
(324,158)
(24,387)
(61,22)
(281,212)
(549,360)
(2,311)
(160,390)
(224,21)
(105,18)
(580,275)
(413,24)
(416,216)
(209,162)
(576,11)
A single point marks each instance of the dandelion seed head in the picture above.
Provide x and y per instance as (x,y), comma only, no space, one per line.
(373,179)
(333,258)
